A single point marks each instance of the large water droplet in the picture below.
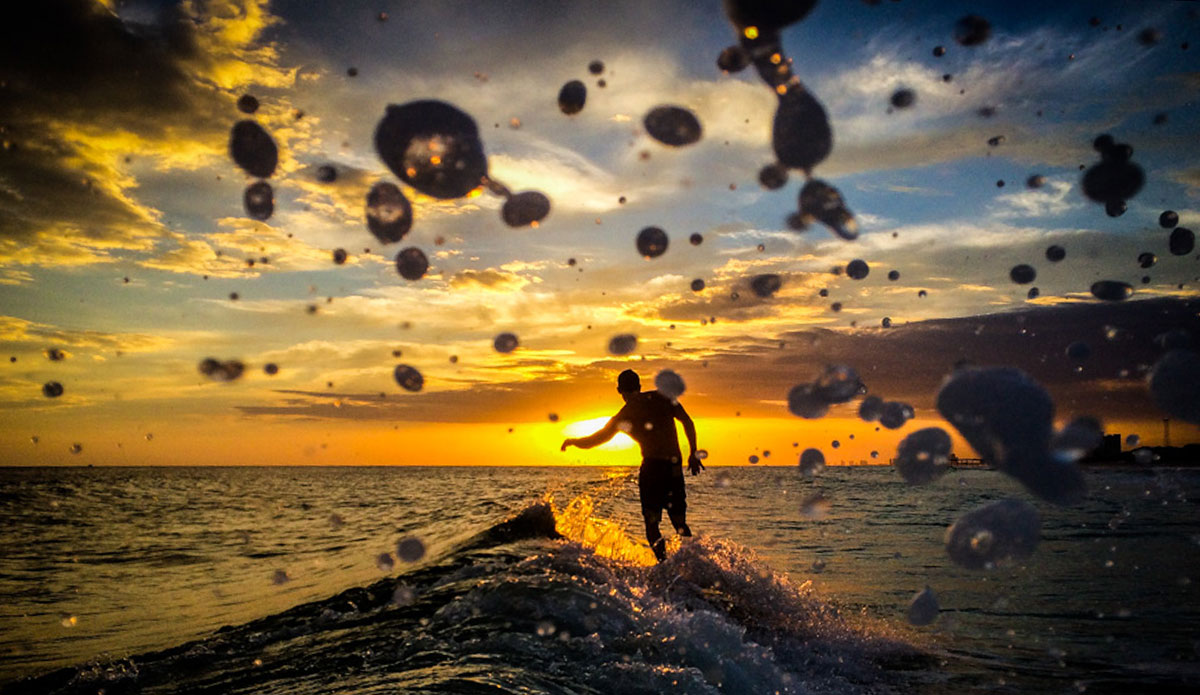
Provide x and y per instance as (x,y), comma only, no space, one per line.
(857,269)
(923,456)
(221,371)
(505,342)
(411,263)
(765,285)
(572,97)
(52,389)
(1022,274)
(253,149)
(993,534)
(410,549)
(800,133)
(1111,290)
(389,214)
(259,200)
(672,125)
(1175,384)
(669,384)
(433,147)
(972,30)
(622,344)
(652,242)
(1007,418)
(923,609)
(821,202)
(523,209)
(1182,241)
(408,377)
(806,402)
(812,462)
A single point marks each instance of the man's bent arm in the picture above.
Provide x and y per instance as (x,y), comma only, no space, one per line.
(689,428)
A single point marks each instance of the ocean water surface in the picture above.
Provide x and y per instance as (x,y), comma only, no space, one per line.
(289,580)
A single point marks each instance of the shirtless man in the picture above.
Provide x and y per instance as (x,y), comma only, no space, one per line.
(649,418)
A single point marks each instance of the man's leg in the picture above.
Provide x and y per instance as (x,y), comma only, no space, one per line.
(677,505)
(650,490)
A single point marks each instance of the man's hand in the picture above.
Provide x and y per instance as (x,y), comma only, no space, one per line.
(566,443)
(694,465)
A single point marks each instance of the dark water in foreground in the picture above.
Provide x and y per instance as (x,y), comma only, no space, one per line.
(119,578)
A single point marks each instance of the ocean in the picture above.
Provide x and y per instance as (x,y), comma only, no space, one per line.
(536,580)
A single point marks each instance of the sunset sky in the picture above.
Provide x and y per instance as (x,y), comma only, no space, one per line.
(123,236)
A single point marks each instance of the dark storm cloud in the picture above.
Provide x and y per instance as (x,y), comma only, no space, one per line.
(905,363)
(86,96)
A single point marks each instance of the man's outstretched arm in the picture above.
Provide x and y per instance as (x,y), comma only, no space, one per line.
(595,439)
(689,430)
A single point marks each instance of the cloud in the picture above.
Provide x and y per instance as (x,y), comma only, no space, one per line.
(22,333)
(1044,202)
(488,279)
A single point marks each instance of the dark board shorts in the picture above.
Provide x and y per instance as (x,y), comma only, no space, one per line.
(660,483)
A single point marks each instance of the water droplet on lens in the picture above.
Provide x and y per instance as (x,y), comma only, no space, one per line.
(1111,290)
(271,369)
(893,275)
(247,104)
(838,383)
(923,456)
(652,242)
(545,628)
(1022,274)
(280,577)
(804,401)
(903,98)
(733,59)
(772,177)
(894,414)
(410,549)
(1174,384)
(408,378)
(765,285)
(696,239)
(972,30)
(259,200)
(1035,181)
(75,448)
(857,269)
(697,285)
(505,342)
(523,209)
(622,344)
(572,97)
(800,133)
(815,506)
(672,125)
(339,256)
(389,214)
(411,263)
(221,371)
(1182,241)
(253,149)
(326,173)
(983,538)
(821,202)
(1115,208)
(1054,254)
(939,51)
(995,141)
(871,408)
(55,355)
(922,294)
(812,462)
(52,389)
(1168,219)
(1149,36)
(433,147)
(595,67)
(669,384)
(384,562)
(923,609)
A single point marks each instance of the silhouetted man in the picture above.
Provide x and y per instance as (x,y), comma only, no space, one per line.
(649,418)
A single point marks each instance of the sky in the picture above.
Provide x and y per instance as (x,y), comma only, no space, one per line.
(123,238)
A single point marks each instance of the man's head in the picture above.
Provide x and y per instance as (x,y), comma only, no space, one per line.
(628,383)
